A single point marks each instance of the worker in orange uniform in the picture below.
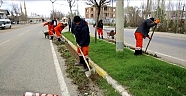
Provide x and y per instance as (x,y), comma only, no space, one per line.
(100,29)
(58,30)
(50,29)
(80,30)
(142,32)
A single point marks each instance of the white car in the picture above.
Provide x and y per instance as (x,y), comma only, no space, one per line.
(5,23)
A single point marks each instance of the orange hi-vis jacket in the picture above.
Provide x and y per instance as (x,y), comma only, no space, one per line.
(50,28)
(58,29)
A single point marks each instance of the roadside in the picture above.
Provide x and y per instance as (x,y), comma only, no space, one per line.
(14,26)
(163,34)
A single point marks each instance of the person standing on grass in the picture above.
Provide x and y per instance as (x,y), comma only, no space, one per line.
(69,24)
(142,32)
(99,29)
(81,31)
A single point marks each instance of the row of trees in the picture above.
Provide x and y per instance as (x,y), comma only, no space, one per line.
(171,15)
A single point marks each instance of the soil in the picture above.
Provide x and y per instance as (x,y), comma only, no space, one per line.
(88,89)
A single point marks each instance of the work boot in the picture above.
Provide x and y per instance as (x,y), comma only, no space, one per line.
(59,39)
(140,52)
(51,38)
(112,37)
(81,61)
(136,52)
(85,65)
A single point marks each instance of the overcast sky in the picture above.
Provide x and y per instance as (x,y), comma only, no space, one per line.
(44,7)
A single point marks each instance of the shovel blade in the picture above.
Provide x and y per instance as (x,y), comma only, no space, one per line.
(88,73)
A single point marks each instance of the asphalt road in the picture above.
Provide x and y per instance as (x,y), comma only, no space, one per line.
(170,47)
(27,64)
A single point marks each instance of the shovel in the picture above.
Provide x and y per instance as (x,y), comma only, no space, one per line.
(150,39)
(87,73)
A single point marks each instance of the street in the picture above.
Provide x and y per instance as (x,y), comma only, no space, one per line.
(169,46)
(28,64)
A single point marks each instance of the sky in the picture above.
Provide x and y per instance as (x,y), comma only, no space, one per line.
(44,7)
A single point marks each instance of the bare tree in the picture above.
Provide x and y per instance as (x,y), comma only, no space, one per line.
(71,4)
(69,14)
(169,7)
(15,12)
(147,8)
(133,15)
(178,18)
(57,14)
(142,7)
(98,4)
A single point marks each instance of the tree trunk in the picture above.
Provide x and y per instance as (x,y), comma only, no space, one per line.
(99,9)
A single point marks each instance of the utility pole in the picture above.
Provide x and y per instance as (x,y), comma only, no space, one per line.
(185,18)
(1,2)
(119,25)
(147,10)
(181,22)
(53,7)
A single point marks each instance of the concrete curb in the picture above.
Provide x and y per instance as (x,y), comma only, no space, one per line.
(95,67)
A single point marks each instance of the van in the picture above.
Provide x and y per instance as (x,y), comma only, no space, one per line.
(5,23)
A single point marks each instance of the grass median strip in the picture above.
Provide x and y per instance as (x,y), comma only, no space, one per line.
(142,75)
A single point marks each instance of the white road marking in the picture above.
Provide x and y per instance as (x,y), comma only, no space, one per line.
(4,42)
(62,84)
(20,34)
(171,56)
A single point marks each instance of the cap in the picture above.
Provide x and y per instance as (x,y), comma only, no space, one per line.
(77,19)
(151,18)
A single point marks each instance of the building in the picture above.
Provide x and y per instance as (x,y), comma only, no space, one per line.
(4,14)
(107,14)
(35,19)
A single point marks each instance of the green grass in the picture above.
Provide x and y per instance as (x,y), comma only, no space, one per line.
(143,75)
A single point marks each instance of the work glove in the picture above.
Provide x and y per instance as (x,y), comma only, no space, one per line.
(157,21)
(149,37)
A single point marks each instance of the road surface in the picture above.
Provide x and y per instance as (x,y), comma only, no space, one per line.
(30,63)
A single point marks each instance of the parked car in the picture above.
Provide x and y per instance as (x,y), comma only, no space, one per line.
(5,23)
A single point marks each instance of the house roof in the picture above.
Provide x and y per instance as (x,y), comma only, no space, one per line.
(3,11)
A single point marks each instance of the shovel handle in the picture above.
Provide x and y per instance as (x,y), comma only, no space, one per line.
(150,39)
(84,57)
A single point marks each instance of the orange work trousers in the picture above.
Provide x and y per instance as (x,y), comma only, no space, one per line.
(100,31)
(58,33)
(139,40)
(50,33)
(84,50)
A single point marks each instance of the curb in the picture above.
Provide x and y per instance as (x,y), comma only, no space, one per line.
(122,91)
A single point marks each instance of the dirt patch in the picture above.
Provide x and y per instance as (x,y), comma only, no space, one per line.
(86,86)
